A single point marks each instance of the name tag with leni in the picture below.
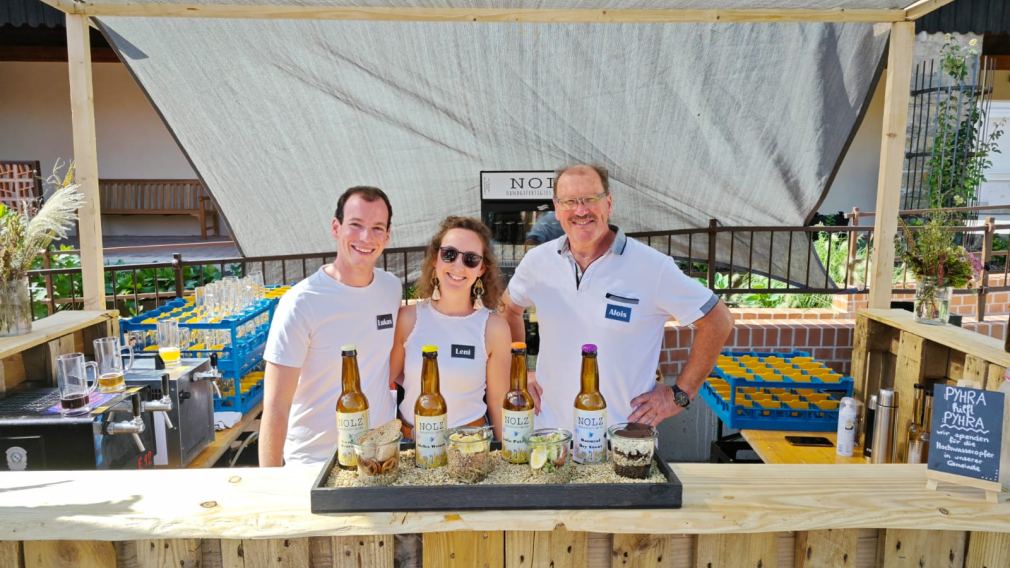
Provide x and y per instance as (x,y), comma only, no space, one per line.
(619,313)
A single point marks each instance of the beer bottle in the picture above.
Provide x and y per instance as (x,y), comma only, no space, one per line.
(430,414)
(518,411)
(352,408)
(590,413)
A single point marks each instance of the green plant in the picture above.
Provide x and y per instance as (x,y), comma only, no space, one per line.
(930,251)
(960,151)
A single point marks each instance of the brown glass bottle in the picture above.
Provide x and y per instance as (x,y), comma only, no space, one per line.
(590,413)
(352,408)
(430,414)
(517,411)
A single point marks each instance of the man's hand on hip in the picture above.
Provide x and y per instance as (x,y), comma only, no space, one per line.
(654,406)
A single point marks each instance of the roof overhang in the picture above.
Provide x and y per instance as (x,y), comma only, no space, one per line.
(672,11)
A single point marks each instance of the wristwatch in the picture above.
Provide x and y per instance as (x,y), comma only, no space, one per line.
(680,397)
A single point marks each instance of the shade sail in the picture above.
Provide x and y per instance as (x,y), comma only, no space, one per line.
(744,123)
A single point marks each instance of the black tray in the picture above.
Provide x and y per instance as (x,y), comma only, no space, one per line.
(501,497)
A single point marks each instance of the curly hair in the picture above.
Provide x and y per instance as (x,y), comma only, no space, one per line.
(493,284)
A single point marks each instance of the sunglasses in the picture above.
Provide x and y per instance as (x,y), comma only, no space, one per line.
(470,259)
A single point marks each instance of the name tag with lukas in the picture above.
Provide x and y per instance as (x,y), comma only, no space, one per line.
(384,321)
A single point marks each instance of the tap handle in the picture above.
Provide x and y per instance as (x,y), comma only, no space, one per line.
(213,361)
(165,385)
(137,404)
(139,443)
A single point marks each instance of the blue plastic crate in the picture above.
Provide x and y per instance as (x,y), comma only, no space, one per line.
(239,401)
(735,413)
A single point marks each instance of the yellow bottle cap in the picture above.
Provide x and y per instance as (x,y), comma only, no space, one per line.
(518,345)
(429,349)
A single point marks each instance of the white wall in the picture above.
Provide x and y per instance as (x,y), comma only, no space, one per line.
(855,184)
(132,140)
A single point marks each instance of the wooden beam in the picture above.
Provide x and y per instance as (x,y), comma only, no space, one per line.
(82,109)
(892,158)
(525,15)
(923,7)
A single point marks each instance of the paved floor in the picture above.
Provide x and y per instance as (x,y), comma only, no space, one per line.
(139,250)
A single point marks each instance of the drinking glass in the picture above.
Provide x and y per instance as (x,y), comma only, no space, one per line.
(72,380)
(168,343)
(111,370)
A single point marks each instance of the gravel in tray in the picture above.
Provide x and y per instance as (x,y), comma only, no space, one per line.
(502,473)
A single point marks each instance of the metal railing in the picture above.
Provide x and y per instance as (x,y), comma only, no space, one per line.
(728,260)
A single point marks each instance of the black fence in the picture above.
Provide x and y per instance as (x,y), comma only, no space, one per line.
(728,260)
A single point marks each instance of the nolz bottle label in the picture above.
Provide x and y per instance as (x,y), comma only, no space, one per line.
(429,439)
(349,426)
(517,427)
(590,432)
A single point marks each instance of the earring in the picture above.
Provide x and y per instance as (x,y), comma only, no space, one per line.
(435,294)
(478,293)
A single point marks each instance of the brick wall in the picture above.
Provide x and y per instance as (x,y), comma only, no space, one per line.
(825,334)
(966,305)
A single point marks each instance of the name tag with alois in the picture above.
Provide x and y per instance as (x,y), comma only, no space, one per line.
(462,351)
(619,313)
(384,321)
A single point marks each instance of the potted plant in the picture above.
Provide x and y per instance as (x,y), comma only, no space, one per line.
(25,231)
(939,265)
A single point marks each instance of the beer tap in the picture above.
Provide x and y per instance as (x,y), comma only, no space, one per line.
(164,404)
(212,375)
(134,427)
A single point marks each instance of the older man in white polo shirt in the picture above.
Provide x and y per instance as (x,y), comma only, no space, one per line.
(595,285)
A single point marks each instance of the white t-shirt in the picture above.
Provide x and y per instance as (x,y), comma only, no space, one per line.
(462,362)
(311,322)
(620,303)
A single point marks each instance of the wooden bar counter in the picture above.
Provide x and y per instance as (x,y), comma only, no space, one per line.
(754,515)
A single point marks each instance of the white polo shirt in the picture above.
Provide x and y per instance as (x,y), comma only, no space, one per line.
(620,303)
(312,321)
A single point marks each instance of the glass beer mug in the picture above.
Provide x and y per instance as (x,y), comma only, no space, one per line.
(169,343)
(111,370)
(72,380)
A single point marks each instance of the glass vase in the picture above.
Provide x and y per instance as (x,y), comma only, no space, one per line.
(15,307)
(932,302)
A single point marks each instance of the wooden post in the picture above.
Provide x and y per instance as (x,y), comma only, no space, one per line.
(892,159)
(82,108)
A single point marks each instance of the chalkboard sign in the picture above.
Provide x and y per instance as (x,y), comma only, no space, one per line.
(966,434)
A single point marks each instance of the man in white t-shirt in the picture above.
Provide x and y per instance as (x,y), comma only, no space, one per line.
(347,301)
(595,285)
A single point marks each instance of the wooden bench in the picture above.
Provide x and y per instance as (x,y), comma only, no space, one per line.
(20,182)
(159,197)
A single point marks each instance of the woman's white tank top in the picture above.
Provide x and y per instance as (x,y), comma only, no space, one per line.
(462,362)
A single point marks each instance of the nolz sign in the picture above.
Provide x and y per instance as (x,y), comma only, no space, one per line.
(966,438)
(517,185)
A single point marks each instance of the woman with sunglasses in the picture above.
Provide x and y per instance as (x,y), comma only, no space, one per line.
(460,286)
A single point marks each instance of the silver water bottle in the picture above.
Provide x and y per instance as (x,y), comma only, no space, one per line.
(884,425)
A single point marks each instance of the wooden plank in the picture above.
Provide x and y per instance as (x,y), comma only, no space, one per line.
(771,446)
(919,361)
(55,326)
(860,356)
(892,156)
(922,7)
(69,554)
(988,550)
(994,376)
(560,548)
(247,553)
(212,553)
(82,114)
(274,503)
(826,548)
(167,553)
(924,549)
(955,365)
(10,554)
(648,550)
(362,551)
(599,546)
(469,15)
(956,338)
(464,549)
(12,372)
(750,549)
(975,370)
